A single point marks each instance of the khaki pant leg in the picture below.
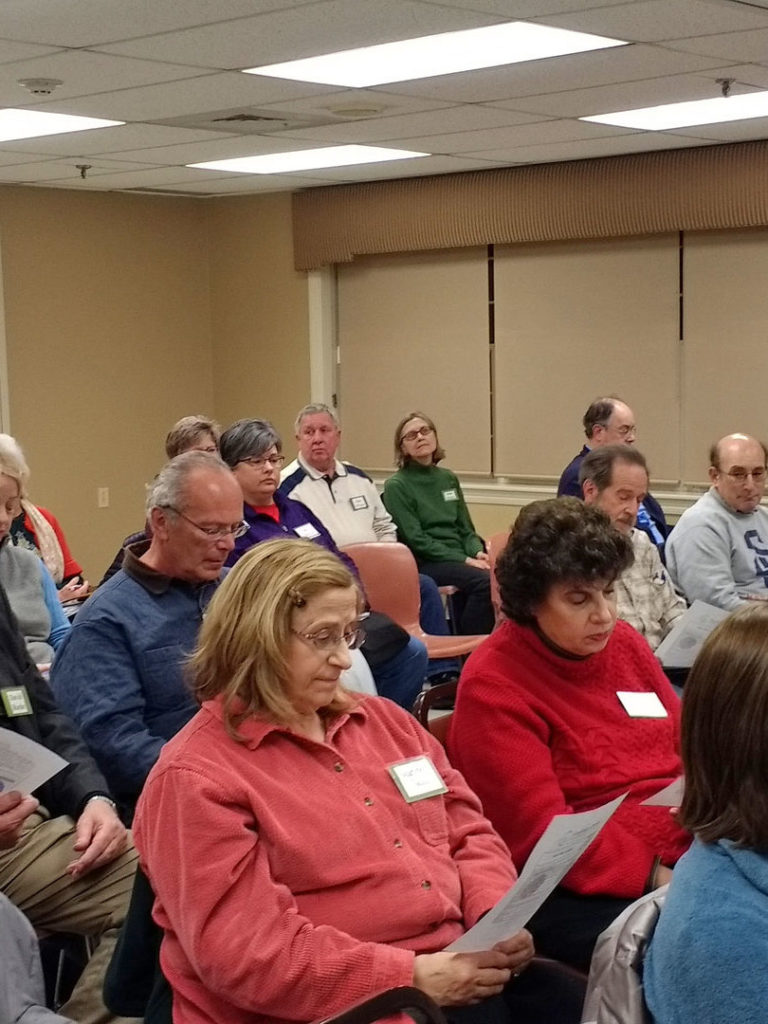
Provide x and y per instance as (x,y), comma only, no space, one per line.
(33,876)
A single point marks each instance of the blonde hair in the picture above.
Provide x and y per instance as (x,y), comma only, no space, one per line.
(188,432)
(13,463)
(243,643)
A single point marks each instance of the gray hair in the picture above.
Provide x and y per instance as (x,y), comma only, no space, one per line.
(186,433)
(598,464)
(168,489)
(313,409)
(248,439)
(13,463)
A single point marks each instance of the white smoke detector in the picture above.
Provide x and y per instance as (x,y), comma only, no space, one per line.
(40,86)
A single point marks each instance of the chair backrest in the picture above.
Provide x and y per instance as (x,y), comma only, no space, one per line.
(496,545)
(391,580)
(424,703)
(134,985)
(615,987)
(404,999)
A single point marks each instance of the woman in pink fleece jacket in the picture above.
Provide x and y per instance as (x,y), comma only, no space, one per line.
(294,872)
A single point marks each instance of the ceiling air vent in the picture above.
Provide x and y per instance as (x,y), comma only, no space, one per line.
(250,121)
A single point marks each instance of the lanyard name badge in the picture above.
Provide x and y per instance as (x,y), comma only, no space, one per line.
(15,701)
(417,779)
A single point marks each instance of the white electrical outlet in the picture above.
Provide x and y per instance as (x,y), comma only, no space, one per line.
(102,497)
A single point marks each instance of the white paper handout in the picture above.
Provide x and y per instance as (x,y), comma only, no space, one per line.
(679,648)
(565,839)
(670,796)
(24,764)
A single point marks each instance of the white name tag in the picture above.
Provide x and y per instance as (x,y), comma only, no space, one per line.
(642,705)
(417,779)
(450,495)
(358,502)
(307,531)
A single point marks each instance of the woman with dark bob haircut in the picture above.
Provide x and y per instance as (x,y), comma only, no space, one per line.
(706,963)
(563,709)
(426,502)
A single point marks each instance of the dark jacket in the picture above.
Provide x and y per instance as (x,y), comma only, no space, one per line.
(569,486)
(67,792)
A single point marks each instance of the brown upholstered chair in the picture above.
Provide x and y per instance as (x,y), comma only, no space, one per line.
(391,580)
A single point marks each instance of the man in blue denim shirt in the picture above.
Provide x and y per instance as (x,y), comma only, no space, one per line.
(119,674)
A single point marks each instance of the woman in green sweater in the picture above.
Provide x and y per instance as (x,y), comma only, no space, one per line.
(431,515)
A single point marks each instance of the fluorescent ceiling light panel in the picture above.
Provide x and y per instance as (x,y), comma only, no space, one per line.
(308,159)
(443,54)
(692,112)
(30,124)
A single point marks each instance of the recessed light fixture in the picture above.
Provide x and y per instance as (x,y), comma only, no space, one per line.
(689,113)
(308,159)
(443,54)
(31,124)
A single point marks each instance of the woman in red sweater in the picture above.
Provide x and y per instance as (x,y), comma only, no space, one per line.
(308,846)
(542,726)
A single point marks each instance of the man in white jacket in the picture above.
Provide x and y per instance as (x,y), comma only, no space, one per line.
(718,552)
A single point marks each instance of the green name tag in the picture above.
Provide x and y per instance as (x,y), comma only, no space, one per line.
(15,701)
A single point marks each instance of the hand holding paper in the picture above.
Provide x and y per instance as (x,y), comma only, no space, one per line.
(24,764)
(14,811)
(561,845)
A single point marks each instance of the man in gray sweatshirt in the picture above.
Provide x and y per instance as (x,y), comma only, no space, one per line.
(718,552)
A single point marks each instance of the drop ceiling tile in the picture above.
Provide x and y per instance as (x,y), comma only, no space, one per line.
(604,99)
(223,148)
(11,51)
(190,96)
(744,47)
(235,183)
(87,22)
(654,20)
(408,168)
(735,131)
(111,140)
(9,159)
(382,129)
(61,170)
(639,142)
(148,177)
(325,104)
(321,27)
(518,135)
(511,9)
(83,73)
(556,74)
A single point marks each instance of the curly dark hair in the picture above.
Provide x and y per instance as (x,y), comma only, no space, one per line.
(557,541)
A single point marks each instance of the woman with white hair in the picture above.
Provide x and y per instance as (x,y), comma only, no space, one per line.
(25,577)
(38,530)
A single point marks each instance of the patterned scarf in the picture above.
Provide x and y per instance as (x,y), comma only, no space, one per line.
(47,541)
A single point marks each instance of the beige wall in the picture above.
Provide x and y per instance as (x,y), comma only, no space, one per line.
(108,342)
(124,313)
(259,312)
